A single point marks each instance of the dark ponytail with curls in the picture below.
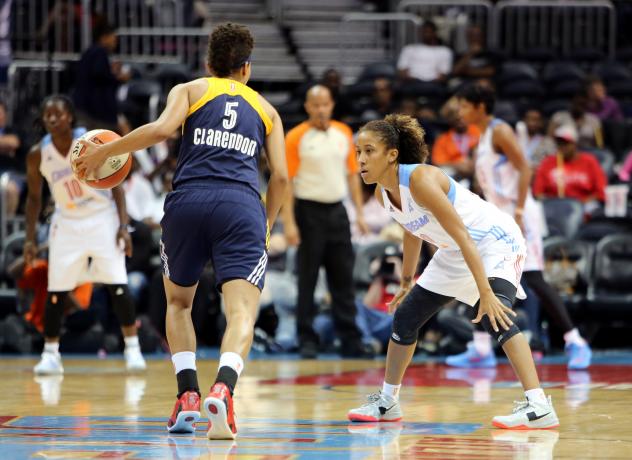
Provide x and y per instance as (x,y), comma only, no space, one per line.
(403,133)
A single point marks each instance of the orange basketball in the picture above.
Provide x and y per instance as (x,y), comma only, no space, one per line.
(113,171)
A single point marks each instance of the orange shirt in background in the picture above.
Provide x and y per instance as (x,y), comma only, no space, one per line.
(451,147)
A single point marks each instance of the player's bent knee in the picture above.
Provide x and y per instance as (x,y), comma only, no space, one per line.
(506,293)
(414,311)
(53,313)
(122,304)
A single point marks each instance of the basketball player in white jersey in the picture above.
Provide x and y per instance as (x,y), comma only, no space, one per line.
(87,223)
(479,261)
(504,175)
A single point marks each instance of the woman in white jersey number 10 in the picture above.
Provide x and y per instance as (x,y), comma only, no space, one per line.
(87,224)
(479,262)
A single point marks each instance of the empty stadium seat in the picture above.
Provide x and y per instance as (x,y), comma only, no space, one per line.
(513,71)
(565,89)
(559,71)
(378,70)
(522,89)
(612,71)
(610,293)
(596,230)
(563,216)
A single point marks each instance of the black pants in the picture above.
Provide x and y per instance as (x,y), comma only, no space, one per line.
(551,300)
(325,240)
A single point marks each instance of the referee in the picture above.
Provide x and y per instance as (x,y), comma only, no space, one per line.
(322,164)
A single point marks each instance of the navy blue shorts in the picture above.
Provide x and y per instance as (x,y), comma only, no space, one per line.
(223,223)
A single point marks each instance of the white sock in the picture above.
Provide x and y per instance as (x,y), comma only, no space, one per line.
(391,390)
(131,342)
(183,360)
(573,336)
(482,343)
(537,395)
(232,360)
(51,347)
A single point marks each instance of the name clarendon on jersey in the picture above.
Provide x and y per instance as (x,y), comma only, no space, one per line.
(225,140)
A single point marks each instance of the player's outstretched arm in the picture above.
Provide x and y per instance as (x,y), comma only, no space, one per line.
(33,201)
(275,150)
(170,119)
(427,191)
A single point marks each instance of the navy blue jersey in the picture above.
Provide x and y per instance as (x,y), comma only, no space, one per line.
(222,136)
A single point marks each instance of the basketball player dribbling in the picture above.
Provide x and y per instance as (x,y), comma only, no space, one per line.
(214,212)
(87,224)
(479,262)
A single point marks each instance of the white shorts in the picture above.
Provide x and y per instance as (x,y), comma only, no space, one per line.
(448,274)
(532,223)
(73,241)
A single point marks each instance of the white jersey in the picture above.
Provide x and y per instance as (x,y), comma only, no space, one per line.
(73,199)
(494,172)
(499,180)
(482,219)
(497,237)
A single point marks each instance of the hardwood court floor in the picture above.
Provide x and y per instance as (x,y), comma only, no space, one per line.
(291,409)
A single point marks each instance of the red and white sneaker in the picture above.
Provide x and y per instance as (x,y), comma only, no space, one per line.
(219,410)
(185,413)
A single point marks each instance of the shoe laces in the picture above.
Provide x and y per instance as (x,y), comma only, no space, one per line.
(520,406)
(372,398)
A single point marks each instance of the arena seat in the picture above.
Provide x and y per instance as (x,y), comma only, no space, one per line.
(563,216)
(610,293)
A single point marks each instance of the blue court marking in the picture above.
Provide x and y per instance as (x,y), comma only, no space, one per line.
(147,437)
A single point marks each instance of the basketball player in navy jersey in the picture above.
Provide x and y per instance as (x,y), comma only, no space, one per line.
(214,212)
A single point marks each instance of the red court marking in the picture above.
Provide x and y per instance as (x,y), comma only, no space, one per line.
(6,418)
(439,375)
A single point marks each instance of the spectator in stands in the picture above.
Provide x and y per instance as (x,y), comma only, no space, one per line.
(381,102)
(321,161)
(531,137)
(343,107)
(452,150)
(625,173)
(478,61)
(140,197)
(97,81)
(428,61)
(587,125)
(599,103)
(12,161)
(569,173)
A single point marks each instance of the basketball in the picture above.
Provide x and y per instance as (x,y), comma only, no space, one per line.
(113,171)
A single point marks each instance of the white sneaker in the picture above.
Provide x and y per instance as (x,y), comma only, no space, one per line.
(49,364)
(378,408)
(134,360)
(529,415)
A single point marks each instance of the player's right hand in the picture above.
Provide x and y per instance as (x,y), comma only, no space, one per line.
(292,235)
(29,252)
(404,289)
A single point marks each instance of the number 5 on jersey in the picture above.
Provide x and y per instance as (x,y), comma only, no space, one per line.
(231,113)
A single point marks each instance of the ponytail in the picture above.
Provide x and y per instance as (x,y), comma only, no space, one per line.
(403,133)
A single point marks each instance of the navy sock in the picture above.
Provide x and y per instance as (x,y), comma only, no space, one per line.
(187,381)
(228,376)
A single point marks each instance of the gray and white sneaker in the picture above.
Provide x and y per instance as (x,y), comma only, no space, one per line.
(529,415)
(49,364)
(378,408)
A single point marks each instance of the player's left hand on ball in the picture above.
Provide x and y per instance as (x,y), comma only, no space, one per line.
(496,311)
(123,238)
(90,161)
